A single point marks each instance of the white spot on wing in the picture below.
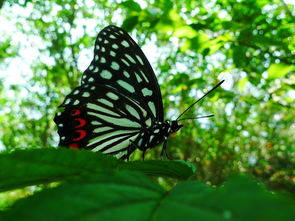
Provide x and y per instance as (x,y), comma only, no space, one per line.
(139,143)
(126,74)
(145,78)
(76,102)
(119,121)
(106,74)
(125,43)
(125,62)
(132,111)
(103,110)
(127,86)
(115,46)
(152,107)
(148,122)
(112,53)
(138,78)
(139,59)
(106,102)
(130,58)
(146,92)
(151,137)
(68,101)
(101,129)
(86,94)
(102,60)
(115,65)
(121,145)
(112,96)
(95,123)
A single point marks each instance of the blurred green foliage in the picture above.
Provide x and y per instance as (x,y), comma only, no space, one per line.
(249,43)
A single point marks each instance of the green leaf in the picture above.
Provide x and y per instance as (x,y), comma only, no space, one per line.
(129,23)
(120,195)
(241,198)
(37,166)
(239,56)
(169,168)
(185,32)
(110,196)
(279,70)
(242,83)
(131,5)
(50,165)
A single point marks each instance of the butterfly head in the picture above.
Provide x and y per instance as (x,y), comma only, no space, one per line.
(174,126)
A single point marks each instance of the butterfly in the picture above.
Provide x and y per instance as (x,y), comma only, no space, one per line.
(118,107)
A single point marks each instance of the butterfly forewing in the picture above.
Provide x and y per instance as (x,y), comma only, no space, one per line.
(119,63)
(100,118)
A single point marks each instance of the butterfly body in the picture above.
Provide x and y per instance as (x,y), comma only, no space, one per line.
(156,134)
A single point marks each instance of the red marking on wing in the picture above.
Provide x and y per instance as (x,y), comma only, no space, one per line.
(82,134)
(75,112)
(74,146)
(81,121)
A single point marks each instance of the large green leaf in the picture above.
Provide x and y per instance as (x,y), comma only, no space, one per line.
(37,166)
(123,195)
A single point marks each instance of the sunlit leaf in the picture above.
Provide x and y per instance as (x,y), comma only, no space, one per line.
(242,83)
(185,32)
(279,70)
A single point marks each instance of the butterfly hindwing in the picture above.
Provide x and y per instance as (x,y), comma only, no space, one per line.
(99,118)
(120,63)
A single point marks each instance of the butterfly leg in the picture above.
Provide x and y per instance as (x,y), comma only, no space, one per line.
(164,149)
(137,147)
(143,154)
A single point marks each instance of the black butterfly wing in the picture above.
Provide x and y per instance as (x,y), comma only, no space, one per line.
(120,63)
(99,118)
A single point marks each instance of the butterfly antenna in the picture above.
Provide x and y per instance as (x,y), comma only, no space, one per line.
(194,118)
(216,86)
